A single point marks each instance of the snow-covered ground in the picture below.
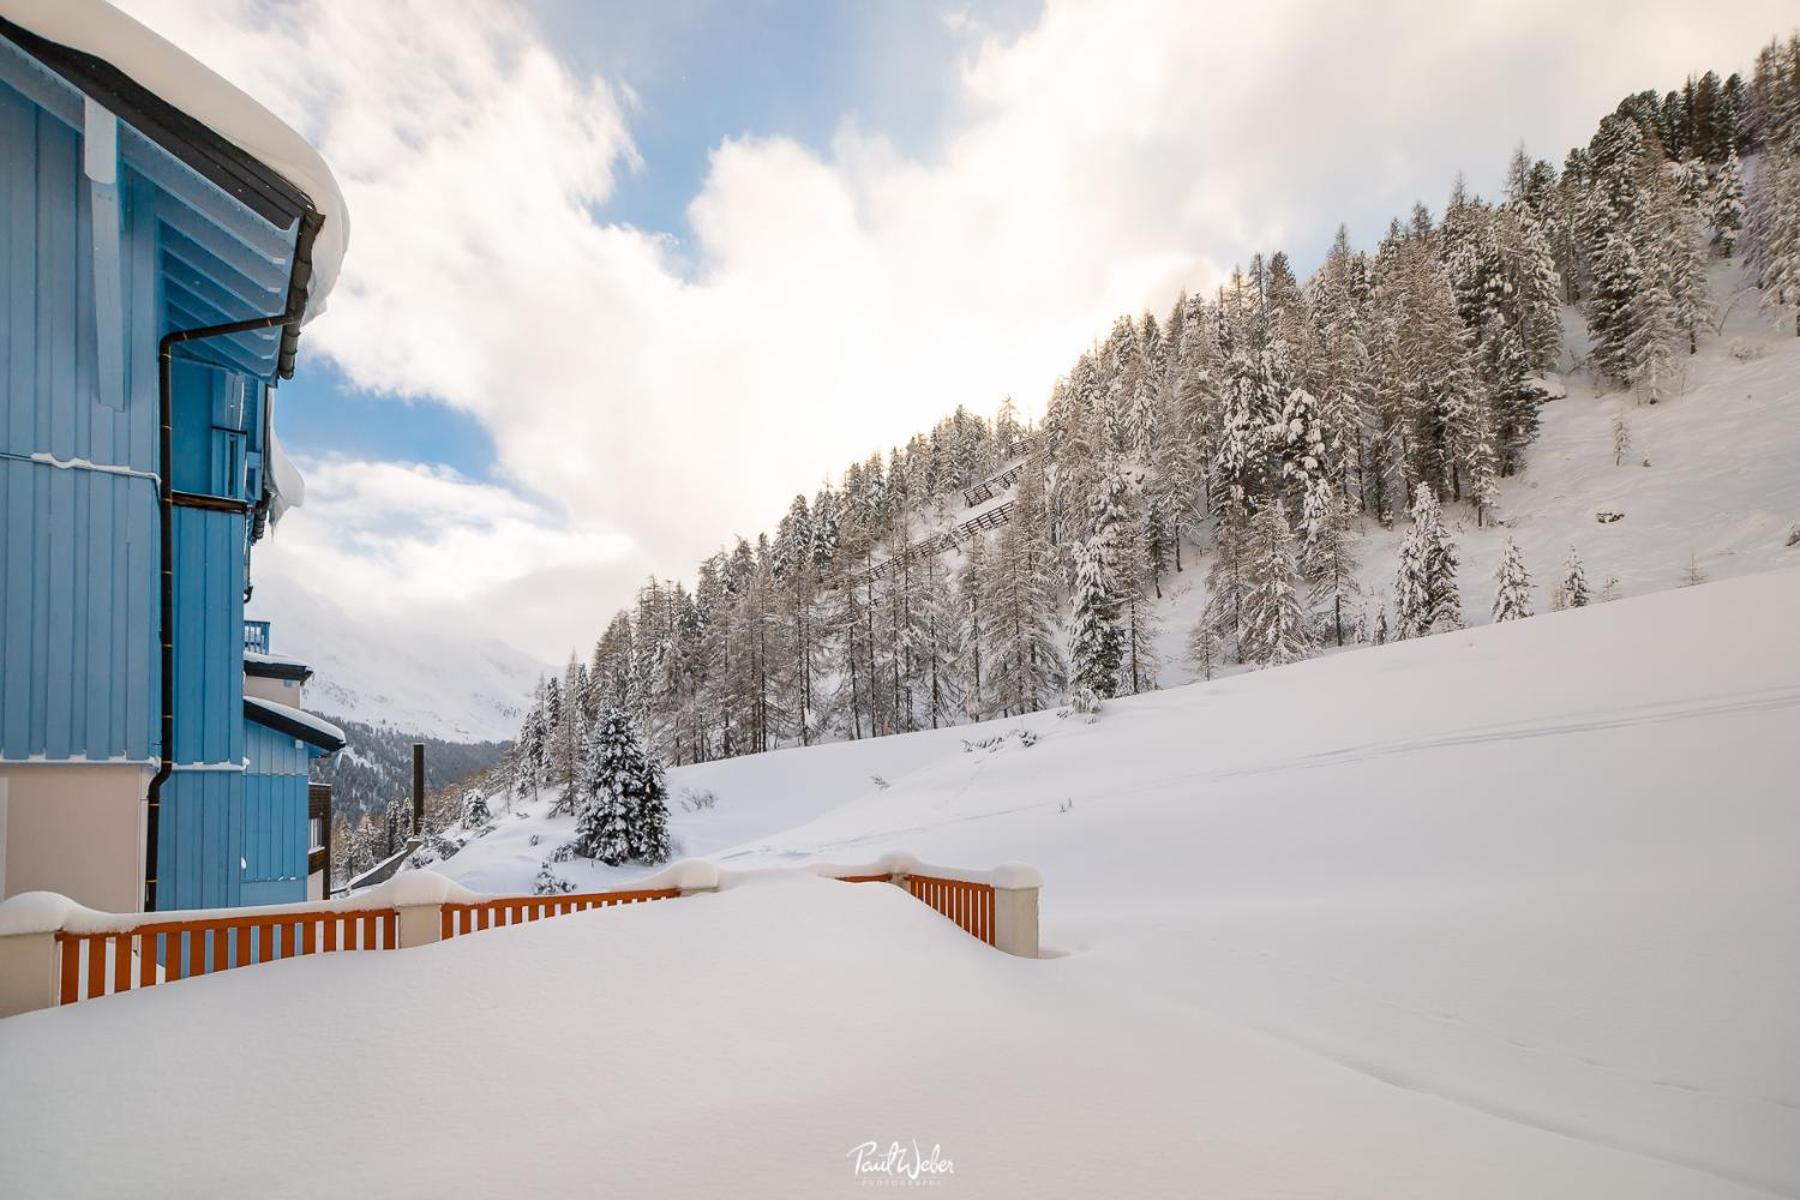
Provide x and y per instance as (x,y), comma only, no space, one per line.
(1507,912)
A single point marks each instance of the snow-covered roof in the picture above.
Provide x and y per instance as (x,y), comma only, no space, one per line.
(295,722)
(97,28)
(275,666)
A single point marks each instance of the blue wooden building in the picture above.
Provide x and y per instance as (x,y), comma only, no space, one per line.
(162,240)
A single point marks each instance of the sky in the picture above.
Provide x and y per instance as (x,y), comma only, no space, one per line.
(624,278)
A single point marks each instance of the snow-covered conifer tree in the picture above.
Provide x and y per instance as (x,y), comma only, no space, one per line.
(624,811)
(603,814)
(1572,589)
(1426,599)
(1512,595)
(1328,557)
(1203,648)
(1725,206)
(474,809)
(1277,628)
(1025,670)
(1095,643)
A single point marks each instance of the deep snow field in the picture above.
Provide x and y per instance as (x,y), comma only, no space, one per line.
(1509,912)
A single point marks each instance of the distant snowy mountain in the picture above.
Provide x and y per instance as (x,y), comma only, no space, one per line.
(391,673)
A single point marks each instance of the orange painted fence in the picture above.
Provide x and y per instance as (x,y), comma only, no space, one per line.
(970,905)
(516,910)
(60,954)
(91,965)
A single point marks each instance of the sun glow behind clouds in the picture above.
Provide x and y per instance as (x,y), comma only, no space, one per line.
(834,300)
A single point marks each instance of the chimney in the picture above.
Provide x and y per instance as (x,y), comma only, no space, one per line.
(418,824)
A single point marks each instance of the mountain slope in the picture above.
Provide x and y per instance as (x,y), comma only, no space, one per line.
(386,672)
(1499,913)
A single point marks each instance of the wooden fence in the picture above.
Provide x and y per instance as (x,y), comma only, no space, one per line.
(91,965)
(60,953)
(969,904)
(516,910)
(937,543)
(987,489)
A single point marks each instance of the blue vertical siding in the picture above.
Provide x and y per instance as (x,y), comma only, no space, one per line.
(78,669)
(201,844)
(275,824)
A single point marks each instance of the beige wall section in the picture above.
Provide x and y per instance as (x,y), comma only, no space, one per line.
(78,830)
(281,691)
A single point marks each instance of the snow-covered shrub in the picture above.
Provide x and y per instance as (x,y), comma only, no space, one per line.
(535,839)
(1748,349)
(1794,536)
(1026,737)
(696,799)
(1084,702)
(474,808)
(879,782)
(440,846)
(549,883)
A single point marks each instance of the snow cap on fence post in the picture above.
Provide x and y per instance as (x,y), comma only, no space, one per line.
(691,875)
(1016,909)
(419,897)
(28,926)
(898,864)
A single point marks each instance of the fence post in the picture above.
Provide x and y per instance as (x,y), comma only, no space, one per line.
(1016,909)
(419,897)
(27,972)
(420,924)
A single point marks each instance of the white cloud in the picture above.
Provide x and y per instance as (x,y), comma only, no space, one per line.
(416,539)
(840,300)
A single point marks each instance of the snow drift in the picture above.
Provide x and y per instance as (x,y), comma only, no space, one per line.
(1497,913)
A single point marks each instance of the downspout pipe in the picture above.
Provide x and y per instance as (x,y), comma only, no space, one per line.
(289,317)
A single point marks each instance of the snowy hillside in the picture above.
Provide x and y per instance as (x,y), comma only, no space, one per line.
(393,674)
(1445,917)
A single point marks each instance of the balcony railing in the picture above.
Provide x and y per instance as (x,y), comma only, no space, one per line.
(256,636)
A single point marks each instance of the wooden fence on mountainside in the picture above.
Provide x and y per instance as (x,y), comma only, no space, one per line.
(937,543)
(987,489)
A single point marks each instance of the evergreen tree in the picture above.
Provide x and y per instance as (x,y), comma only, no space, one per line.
(1277,629)
(1512,597)
(474,809)
(1426,599)
(1779,237)
(974,636)
(1572,591)
(1203,648)
(1328,557)
(1095,642)
(1026,668)
(1725,207)
(935,653)
(603,814)
(1512,398)
(624,810)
